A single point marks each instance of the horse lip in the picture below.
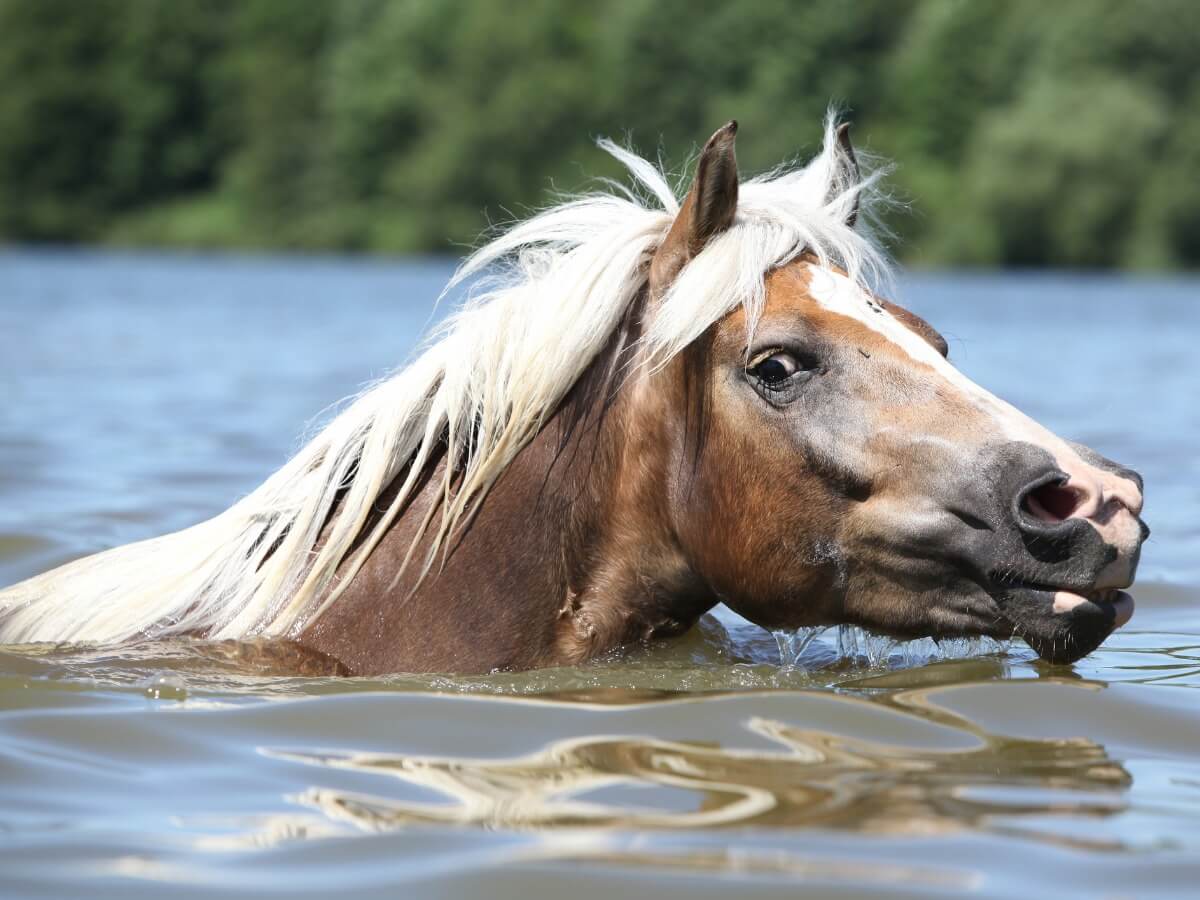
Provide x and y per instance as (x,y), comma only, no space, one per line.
(1062,624)
(1094,594)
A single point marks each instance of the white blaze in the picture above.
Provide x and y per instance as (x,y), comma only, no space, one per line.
(1109,503)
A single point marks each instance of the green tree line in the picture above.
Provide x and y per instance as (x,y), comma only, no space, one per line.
(1024,132)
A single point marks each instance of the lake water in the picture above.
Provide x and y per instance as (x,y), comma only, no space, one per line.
(141,393)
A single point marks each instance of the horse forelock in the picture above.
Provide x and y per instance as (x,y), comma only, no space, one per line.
(545,299)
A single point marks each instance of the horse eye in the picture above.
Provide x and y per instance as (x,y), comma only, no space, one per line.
(776,368)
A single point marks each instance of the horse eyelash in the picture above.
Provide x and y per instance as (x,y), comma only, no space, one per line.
(762,356)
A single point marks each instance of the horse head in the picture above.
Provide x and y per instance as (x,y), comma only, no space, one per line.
(831,465)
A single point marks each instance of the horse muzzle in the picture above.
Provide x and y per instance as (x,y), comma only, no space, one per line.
(1062,626)
(1074,541)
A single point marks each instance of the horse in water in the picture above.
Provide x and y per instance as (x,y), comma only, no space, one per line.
(644,408)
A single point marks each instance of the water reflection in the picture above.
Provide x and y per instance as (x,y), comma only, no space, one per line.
(814,779)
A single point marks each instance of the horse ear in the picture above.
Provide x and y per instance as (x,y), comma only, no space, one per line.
(849,175)
(708,209)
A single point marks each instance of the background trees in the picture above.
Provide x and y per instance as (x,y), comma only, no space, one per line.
(1025,133)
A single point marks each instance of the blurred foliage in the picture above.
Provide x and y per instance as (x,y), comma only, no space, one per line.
(1025,133)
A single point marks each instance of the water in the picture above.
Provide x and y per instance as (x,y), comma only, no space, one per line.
(141,393)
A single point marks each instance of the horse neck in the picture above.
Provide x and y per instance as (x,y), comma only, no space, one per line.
(569,555)
(627,579)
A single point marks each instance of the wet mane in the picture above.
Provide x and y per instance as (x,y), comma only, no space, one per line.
(546,297)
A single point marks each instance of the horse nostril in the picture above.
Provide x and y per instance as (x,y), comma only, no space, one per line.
(1053,502)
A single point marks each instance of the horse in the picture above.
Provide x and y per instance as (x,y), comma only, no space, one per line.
(646,406)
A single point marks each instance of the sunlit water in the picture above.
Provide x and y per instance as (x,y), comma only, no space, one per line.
(142,393)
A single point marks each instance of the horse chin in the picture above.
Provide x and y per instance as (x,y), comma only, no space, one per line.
(1060,626)
(1063,626)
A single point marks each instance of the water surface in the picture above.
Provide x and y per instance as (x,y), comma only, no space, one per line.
(143,393)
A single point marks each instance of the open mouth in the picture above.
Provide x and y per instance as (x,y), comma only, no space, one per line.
(1062,625)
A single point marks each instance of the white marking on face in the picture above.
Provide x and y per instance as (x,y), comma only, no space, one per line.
(1103,493)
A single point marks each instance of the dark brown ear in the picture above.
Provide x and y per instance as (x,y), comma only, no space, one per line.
(708,209)
(849,162)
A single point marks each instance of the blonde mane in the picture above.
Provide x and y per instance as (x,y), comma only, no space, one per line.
(546,297)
